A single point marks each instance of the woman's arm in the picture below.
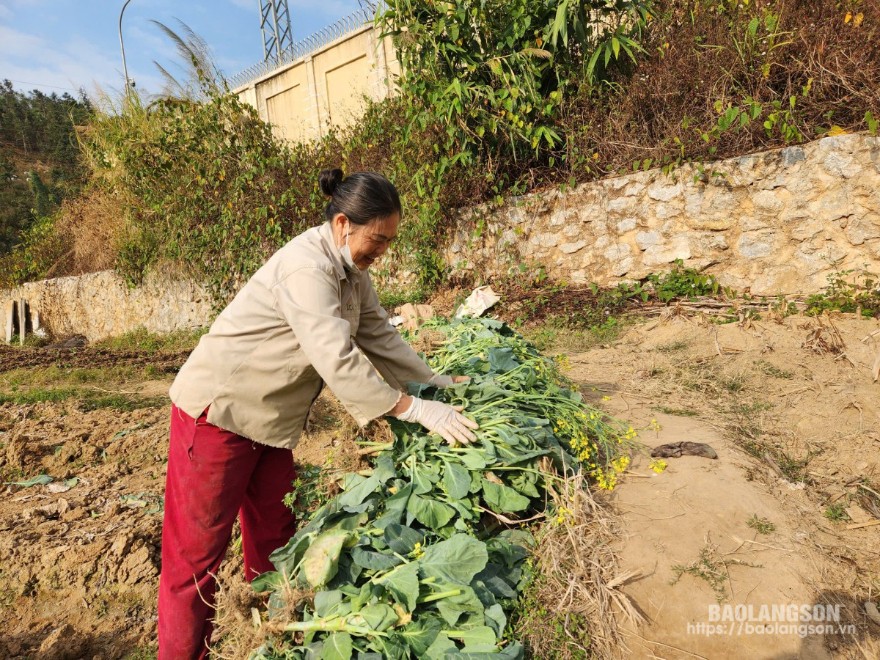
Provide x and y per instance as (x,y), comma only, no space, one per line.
(384,346)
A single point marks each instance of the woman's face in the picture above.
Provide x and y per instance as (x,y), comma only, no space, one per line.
(367,242)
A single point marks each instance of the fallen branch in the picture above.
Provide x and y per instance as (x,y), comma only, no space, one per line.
(871,523)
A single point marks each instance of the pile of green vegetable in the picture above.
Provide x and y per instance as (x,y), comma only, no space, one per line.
(422,556)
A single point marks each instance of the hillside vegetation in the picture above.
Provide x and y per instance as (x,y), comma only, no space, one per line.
(497,98)
(39,158)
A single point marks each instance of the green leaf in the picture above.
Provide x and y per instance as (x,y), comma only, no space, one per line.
(478,638)
(423,480)
(421,634)
(474,459)
(357,490)
(39,480)
(431,513)
(327,601)
(455,560)
(456,480)
(320,562)
(337,646)
(402,540)
(615,47)
(379,616)
(502,360)
(503,499)
(383,469)
(394,507)
(440,647)
(373,561)
(402,583)
(269,581)
(452,607)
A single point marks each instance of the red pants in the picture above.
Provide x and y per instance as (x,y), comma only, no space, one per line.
(212,476)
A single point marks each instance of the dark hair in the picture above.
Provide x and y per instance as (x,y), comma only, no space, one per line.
(361,197)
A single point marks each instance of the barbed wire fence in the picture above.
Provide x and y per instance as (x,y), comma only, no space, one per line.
(314,42)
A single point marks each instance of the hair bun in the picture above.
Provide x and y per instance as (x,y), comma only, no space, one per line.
(330,180)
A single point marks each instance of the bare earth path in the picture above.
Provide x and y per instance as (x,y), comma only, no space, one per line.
(796,433)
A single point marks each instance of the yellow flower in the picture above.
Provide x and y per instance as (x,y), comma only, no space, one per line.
(658,465)
(620,464)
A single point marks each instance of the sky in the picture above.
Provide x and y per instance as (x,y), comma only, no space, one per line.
(67,45)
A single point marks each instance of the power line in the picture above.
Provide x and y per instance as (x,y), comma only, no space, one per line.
(25,82)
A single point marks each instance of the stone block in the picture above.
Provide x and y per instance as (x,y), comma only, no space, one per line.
(831,206)
(841,165)
(663,191)
(622,206)
(756,245)
(768,201)
(859,231)
(664,211)
(646,239)
(665,253)
(515,215)
(710,223)
(791,156)
(620,259)
(548,240)
(571,248)
(625,225)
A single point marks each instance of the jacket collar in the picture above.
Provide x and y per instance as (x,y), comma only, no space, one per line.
(325,231)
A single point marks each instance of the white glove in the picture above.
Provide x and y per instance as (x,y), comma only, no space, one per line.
(441,418)
(441,381)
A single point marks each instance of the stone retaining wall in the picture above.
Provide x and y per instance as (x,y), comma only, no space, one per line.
(101,305)
(772,222)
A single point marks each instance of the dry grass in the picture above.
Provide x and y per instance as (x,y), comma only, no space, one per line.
(93,224)
(575,605)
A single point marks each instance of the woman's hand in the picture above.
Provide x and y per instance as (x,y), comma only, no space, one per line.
(440,418)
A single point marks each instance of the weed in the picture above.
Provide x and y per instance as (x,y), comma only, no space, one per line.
(678,412)
(310,488)
(709,568)
(87,399)
(545,632)
(773,370)
(121,402)
(142,653)
(681,282)
(847,291)
(836,512)
(761,525)
(390,298)
(142,339)
(673,347)
(734,384)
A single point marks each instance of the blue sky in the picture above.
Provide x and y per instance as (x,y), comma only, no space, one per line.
(63,45)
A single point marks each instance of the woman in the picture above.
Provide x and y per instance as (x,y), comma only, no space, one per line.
(309,316)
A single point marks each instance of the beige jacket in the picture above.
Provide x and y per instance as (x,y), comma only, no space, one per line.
(303,318)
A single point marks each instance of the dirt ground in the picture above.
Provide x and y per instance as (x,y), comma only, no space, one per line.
(790,407)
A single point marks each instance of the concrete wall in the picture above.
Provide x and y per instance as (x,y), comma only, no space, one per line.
(101,305)
(325,89)
(773,222)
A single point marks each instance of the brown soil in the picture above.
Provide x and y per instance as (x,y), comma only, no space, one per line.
(791,407)
(86,357)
